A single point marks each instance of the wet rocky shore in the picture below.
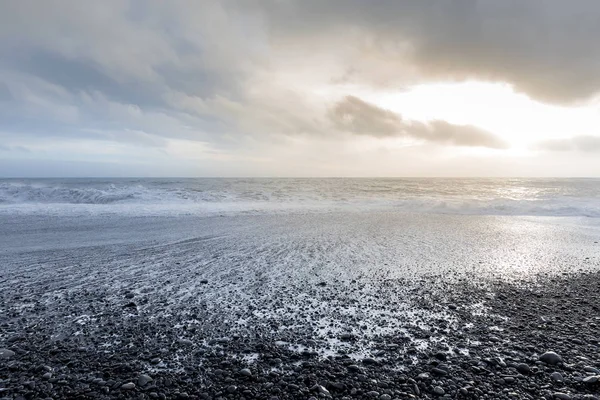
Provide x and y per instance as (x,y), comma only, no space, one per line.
(360,338)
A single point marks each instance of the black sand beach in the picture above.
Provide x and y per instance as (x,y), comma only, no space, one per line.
(205,318)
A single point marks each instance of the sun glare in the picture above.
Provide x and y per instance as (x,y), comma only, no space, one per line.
(495,107)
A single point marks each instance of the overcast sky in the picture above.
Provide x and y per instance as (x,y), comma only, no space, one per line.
(300,88)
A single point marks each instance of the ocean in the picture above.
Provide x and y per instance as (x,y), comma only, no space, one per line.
(202,197)
(296,280)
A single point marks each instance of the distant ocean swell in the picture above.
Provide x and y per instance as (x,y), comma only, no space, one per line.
(558,197)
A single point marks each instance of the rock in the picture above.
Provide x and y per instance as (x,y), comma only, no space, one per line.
(128,386)
(439,372)
(424,376)
(185,342)
(592,370)
(347,337)
(47,375)
(369,361)
(321,389)
(6,353)
(440,356)
(353,367)
(129,295)
(204,281)
(385,397)
(373,393)
(551,358)
(557,377)
(143,380)
(523,368)
(439,391)
(591,380)
(16,338)
(245,372)
(322,283)
(561,396)
(231,389)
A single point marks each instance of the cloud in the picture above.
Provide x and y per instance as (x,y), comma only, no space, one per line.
(242,74)
(584,143)
(545,48)
(357,116)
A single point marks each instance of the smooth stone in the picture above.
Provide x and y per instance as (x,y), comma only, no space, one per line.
(245,372)
(556,376)
(6,353)
(561,396)
(590,380)
(231,389)
(439,391)
(523,368)
(592,370)
(143,380)
(128,386)
(551,358)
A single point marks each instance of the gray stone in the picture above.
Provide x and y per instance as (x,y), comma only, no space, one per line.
(561,396)
(556,376)
(439,391)
(551,358)
(128,386)
(523,368)
(6,353)
(231,389)
(143,380)
(245,372)
(591,380)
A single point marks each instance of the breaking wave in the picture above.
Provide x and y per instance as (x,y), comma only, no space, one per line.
(550,197)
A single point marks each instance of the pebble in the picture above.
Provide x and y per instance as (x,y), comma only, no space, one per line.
(562,396)
(439,391)
(556,376)
(6,353)
(551,358)
(143,380)
(128,386)
(523,368)
(245,372)
(591,380)
(231,389)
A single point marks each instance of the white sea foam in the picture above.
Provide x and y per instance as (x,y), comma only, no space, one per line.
(544,197)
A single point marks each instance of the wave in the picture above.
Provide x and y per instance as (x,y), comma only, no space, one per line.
(222,196)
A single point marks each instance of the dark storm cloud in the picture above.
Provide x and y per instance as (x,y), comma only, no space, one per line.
(583,143)
(546,48)
(357,116)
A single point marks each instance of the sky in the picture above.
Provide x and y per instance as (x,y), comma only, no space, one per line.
(299,88)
